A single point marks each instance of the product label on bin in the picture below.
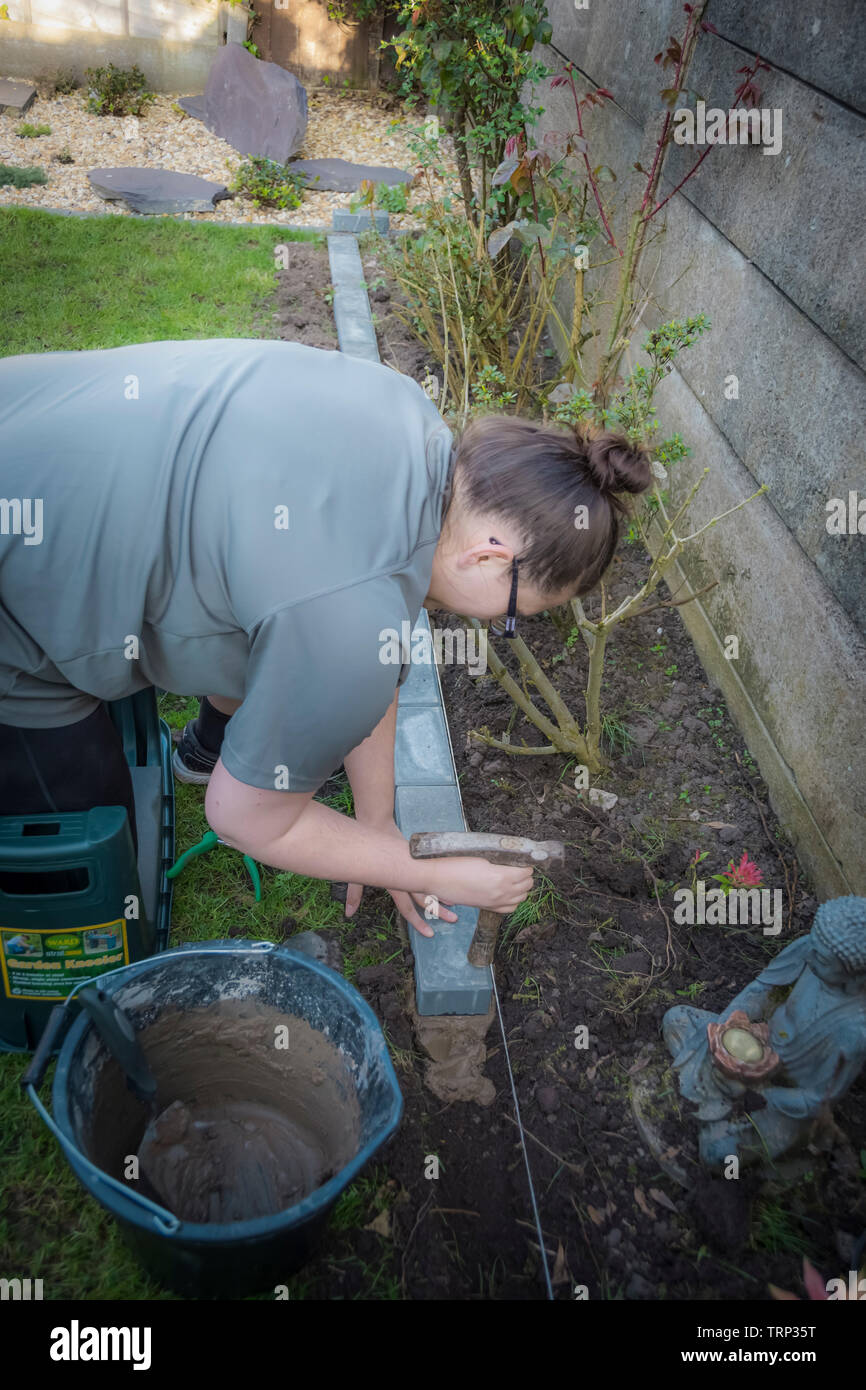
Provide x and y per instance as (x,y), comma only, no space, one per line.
(39,964)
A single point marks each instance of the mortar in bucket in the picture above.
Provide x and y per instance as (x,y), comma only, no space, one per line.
(274,1089)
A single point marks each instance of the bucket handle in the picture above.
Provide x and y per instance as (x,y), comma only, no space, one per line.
(164,1220)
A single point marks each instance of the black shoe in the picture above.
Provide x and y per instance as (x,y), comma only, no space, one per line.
(191,761)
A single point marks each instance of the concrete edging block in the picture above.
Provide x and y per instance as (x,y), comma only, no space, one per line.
(427,794)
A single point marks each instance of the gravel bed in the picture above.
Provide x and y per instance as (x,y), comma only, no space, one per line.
(341,126)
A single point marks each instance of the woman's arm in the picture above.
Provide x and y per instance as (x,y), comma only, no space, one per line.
(370,769)
(289,830)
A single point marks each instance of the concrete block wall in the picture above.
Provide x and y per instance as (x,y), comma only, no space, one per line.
(772,249)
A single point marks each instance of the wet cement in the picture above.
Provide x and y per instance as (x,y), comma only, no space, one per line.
(243,1128)
(454,1044)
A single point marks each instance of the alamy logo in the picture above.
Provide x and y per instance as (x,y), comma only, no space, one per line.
(738,906)
(22,516)
(737,127)
(452,646)
(77,1343)
(20,1289)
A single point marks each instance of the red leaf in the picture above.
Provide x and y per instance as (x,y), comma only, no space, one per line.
(510,146)
(657,58)
(559,82)
(603,92)
(708,28)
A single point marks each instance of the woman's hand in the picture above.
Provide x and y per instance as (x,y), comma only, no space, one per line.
(410,905)
(471,881)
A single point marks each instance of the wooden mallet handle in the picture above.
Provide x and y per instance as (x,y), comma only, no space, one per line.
(515,850)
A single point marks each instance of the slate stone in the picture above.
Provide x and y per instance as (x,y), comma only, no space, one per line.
(340,176)
(194,106)
(357,222)
(258,107)
(16,96)
(157,190)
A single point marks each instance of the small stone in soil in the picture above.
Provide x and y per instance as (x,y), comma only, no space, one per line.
(548,1099)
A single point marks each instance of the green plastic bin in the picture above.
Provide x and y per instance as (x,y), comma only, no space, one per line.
(75,901)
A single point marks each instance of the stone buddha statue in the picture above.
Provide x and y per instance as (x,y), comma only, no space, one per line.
(796,1036)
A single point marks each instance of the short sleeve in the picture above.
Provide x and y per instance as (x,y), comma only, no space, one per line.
(321,675)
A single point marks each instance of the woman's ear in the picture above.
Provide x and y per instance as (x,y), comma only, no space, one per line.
(482,552)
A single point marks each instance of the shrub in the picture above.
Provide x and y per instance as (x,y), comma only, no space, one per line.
(26,131)
(64,156)
(391,198)
(65,83)
(268,183)
(13,176)
(115,91)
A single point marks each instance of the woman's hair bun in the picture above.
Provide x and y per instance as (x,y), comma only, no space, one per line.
(615,465)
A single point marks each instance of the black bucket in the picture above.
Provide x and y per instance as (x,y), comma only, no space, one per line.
(350,1102)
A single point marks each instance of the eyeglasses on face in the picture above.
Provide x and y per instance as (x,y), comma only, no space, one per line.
(510,627)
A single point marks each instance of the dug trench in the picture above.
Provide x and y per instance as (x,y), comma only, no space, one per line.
(625,1208)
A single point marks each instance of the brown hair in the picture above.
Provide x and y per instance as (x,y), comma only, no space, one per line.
(535,476)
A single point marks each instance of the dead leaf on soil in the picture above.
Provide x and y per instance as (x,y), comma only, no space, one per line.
(381,1225)
(598,1217)
(590,1075)
(663,1199)
(560,1273)
(718,824)
(642,1202)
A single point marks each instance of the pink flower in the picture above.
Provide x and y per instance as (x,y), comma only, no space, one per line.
(746,874)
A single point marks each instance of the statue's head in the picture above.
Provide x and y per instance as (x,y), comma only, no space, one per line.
(838,953)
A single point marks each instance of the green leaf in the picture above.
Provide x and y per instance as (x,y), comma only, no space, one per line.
(603,174)
(531,232)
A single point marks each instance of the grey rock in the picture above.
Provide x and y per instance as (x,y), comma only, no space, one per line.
(16,96)
(157,190)
(613,1238)
(258,107)
(317,948)
(345,221)
(194,106)
(729,834)
(341,176)
(673,707)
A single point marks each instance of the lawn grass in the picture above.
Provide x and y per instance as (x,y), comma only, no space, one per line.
(73,283)
(78,283)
